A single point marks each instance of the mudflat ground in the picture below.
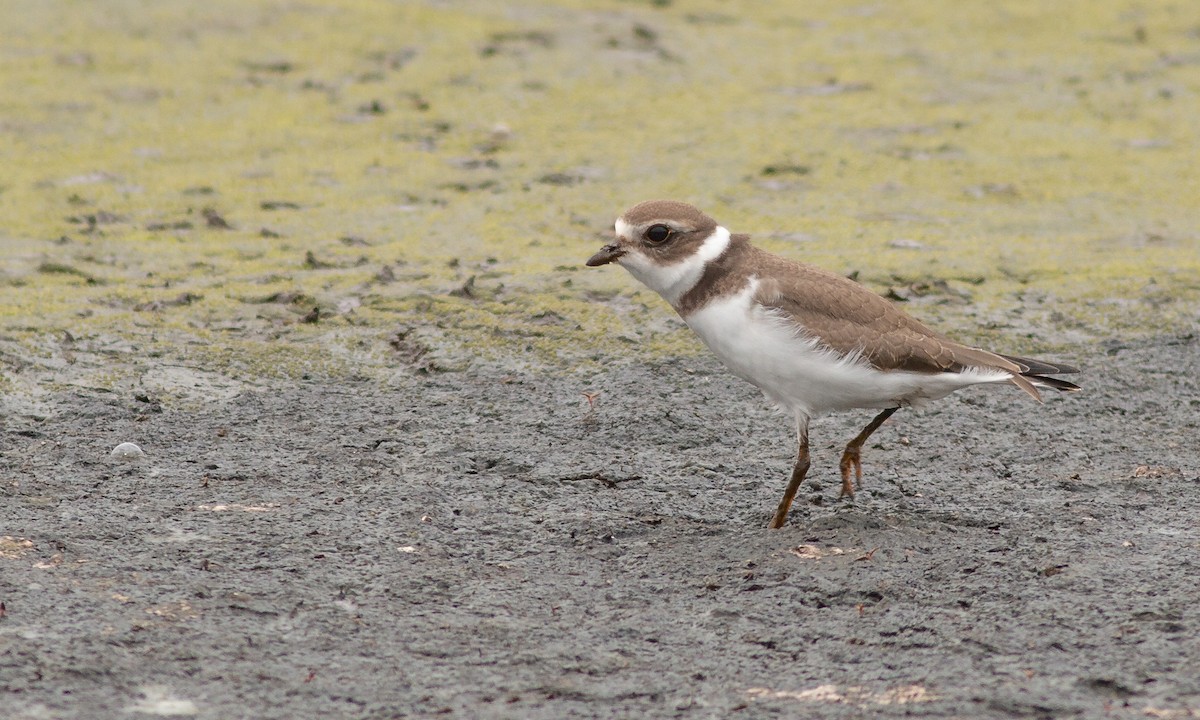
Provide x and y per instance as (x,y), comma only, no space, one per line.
(488,545)
(322,262)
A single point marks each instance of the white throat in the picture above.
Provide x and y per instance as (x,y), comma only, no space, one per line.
(673,281)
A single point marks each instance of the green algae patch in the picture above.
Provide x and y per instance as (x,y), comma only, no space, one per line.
(282,190)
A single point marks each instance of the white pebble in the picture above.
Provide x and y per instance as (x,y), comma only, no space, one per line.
(128,452)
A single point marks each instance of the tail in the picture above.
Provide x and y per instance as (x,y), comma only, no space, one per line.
(1033,376)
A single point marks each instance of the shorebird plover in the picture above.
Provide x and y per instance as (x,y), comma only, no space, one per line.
(812,341)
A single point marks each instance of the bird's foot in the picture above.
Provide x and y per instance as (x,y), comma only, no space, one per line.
(851,463)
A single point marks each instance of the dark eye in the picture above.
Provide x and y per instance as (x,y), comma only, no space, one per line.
(658,233)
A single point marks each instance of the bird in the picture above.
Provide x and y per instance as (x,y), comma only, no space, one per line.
(811,340)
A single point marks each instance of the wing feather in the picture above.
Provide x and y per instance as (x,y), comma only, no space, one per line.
(849,318)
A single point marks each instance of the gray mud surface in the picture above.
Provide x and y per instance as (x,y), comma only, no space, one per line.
(485,545)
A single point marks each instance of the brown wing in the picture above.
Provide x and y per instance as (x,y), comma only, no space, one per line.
(850,318)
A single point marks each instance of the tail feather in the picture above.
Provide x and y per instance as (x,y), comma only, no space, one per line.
(1031,367)
(1033,375)
(1050,383)
(1027,386)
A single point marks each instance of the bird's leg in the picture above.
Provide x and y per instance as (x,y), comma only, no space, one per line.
(798,473)
(852,457)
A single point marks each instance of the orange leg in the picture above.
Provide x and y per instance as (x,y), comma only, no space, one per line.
(798,473)
(852,457)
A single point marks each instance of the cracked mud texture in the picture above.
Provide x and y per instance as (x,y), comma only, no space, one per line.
(488,545)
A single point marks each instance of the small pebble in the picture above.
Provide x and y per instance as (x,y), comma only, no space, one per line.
(128,452)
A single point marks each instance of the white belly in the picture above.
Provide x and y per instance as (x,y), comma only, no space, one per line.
(796,372)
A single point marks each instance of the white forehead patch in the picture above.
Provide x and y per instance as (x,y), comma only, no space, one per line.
(624,228)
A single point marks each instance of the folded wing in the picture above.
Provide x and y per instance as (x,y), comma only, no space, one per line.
(848,319)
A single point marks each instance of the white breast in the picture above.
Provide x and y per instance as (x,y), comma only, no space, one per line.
(795,371)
